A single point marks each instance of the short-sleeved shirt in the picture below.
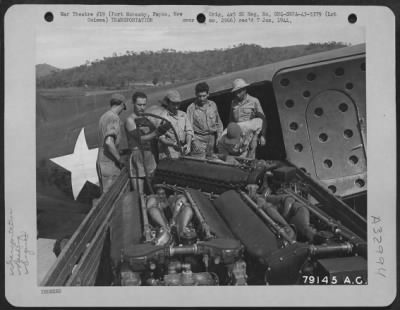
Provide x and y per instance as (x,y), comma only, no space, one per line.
(205,119)
(109,125)
(231,149)
(250,129)
(181,124)
(245,110)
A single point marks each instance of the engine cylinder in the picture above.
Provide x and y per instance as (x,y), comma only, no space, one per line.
(252,232)
(211,215)
(209,177)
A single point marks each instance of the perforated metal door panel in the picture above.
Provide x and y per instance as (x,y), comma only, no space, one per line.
(322,112)
(335,139)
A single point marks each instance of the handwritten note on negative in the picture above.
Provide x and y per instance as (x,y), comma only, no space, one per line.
(19,255)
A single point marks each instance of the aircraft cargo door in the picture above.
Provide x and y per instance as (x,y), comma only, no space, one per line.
(335,138)
(322,111)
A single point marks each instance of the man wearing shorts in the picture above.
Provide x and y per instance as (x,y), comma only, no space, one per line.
(140,132)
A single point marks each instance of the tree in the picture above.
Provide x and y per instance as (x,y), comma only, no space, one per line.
(171,65)
(155,81)
(156,77)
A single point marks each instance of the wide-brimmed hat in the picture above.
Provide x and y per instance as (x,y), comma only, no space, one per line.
(239,84)
(173,95)
(233,133)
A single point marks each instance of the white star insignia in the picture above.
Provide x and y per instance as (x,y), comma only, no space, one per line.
(81,163)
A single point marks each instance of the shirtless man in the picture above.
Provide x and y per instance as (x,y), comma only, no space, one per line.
(140,132)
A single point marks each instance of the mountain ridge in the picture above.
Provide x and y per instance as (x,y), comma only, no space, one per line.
(169,66)
(45,69)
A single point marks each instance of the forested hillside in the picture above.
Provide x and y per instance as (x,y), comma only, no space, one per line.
(170,66)
(45,69)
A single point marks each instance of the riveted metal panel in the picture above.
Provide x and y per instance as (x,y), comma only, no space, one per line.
(335,138)
(322,111)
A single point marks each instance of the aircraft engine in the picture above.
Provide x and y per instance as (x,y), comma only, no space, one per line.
(177,239)
(253,222)
(212,176)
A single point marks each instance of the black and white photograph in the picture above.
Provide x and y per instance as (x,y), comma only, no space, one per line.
(225,148)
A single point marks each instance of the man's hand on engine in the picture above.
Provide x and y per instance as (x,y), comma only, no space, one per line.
(261,141)
(187,148)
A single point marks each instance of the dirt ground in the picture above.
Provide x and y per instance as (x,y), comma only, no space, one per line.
(45,257)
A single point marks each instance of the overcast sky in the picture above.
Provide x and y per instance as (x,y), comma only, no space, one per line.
(69,47)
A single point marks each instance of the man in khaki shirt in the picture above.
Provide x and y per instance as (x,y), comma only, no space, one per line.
(244,108)
(236,139)
(168,144)
(109,164)
(206,122)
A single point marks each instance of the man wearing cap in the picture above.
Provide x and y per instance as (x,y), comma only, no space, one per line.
(204,117)
(244,108)
(140,132)
(168,144)
(231,143)
(109,164)
(235,141)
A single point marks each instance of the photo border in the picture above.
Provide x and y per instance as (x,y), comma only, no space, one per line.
(374,53)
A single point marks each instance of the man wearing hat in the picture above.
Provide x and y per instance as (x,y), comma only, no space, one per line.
(206,122)
(168,144)
(245,108)
(236,140)
(109,164)
(232,142)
